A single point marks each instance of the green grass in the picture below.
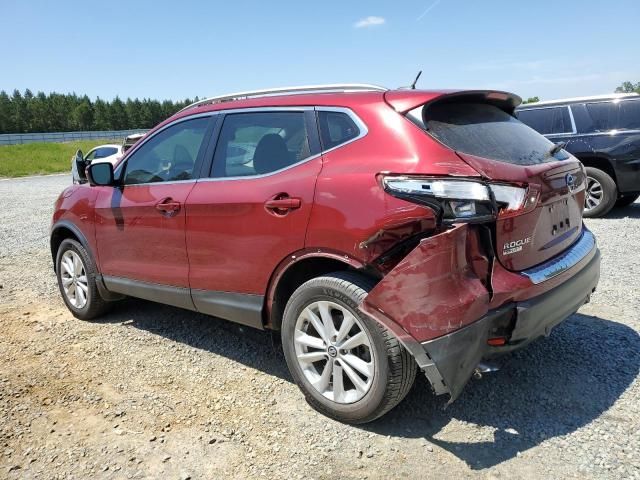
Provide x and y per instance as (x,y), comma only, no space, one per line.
(41,158)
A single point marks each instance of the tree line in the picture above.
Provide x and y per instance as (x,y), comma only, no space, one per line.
(55,112)
(628,87)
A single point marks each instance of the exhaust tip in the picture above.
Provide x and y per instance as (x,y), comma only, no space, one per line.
(485,367)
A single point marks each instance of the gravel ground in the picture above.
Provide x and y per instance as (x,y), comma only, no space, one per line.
(153,391)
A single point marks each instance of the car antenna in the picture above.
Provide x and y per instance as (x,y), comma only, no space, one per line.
(413,85)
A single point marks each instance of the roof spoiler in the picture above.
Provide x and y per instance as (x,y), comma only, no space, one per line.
(405,100)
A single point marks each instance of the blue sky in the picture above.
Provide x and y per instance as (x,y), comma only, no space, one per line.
(181,49)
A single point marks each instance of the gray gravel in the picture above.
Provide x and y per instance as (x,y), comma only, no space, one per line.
(153,391)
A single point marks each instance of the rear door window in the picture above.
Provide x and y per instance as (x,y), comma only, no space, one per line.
(547,121)
(607,116)
(260,143)
(486,131)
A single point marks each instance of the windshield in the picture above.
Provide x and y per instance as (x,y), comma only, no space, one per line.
(484,130)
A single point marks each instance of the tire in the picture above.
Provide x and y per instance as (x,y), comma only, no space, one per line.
(392,369)
(82,271)
(600,195)
(627,200)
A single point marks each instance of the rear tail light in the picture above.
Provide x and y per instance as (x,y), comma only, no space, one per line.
(513,201)
(463,200)
(451,199)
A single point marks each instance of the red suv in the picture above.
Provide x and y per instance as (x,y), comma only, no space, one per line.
(380,231)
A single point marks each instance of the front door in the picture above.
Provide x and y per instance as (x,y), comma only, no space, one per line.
(140,226)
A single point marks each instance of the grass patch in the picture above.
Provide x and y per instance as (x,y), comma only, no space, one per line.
(41,158)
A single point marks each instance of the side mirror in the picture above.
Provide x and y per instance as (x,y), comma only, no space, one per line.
(100,174)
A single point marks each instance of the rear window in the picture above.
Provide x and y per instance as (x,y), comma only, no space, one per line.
(547,121)
(607,116)
(105,152)
(486,131)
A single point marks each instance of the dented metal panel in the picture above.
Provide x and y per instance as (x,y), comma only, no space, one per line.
(433,290)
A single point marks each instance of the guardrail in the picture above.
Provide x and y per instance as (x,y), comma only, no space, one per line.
(57,137)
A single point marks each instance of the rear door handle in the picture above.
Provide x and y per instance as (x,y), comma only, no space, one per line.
(282,204)
(168,206)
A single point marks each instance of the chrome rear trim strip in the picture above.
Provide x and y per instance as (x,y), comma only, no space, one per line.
(564,261)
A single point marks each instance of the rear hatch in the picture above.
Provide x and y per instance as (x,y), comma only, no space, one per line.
(480,128)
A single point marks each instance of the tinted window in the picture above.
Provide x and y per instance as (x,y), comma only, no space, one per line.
(614,115)
(336,128)
(91,155)
(486,131)
(259,143)
(105,152)
(547,120)
(168,156)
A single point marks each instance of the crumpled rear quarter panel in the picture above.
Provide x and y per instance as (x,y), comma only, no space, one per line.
(433,290)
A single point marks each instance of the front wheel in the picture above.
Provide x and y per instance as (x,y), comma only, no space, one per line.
(349,367)
(600,195)
(76,279)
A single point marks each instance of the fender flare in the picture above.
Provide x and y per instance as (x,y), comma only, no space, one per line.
(76,231)
(104,293)
(294,258)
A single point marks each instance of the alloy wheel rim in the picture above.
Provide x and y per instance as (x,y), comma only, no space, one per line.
(334,352)
(74,279)
(593,194)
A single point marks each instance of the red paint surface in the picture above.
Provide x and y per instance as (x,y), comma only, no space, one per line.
(433,291)
(554,205)
(234,243)
(514,287)
(76,205)
(137,241)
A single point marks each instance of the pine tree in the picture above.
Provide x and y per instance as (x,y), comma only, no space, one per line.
(18,112)
(57,112)
(6,122)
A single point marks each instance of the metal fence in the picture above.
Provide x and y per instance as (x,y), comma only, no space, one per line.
(18,138)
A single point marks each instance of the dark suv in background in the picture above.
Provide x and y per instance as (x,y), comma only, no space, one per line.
(604,133)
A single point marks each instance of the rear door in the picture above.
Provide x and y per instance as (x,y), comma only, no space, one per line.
(503,149)
(252,211)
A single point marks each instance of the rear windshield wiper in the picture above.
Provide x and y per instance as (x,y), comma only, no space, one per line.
(556,148)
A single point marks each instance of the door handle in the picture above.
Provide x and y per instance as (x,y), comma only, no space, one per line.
(168,207)
(281,204)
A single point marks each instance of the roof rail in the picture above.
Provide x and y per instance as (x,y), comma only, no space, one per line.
(345,87)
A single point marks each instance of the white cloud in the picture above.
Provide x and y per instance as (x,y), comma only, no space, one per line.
(370,21)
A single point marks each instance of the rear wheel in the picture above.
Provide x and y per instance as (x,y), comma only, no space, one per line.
(627,200)
(76,279)
(600,195)
(348,366)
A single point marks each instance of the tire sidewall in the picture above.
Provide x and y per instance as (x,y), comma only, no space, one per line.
(73,245)
(318,290)
(609,193)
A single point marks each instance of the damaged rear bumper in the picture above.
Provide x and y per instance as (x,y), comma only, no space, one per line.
(457,354)
(450,359)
